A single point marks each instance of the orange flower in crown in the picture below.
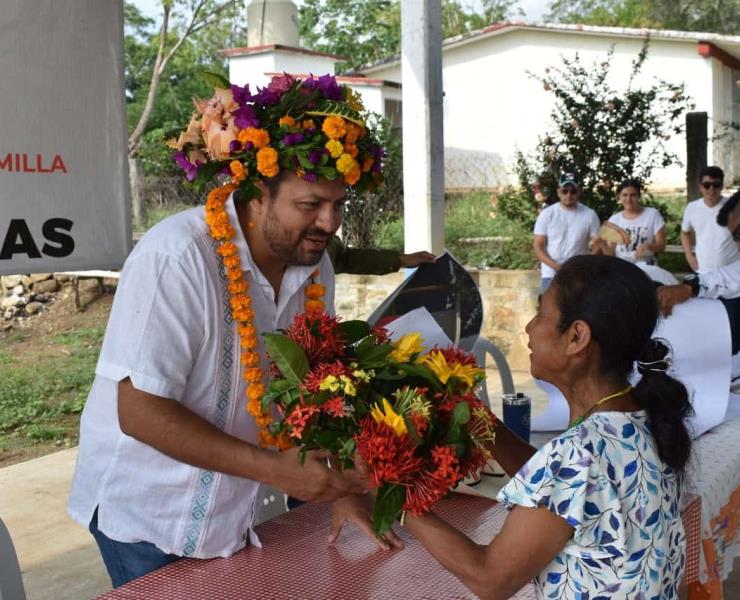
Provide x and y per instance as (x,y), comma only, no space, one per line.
(312,127)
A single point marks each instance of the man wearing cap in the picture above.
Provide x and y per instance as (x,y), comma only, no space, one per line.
(563,229)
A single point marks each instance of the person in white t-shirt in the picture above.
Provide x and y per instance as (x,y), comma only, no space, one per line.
(563,229)
(644,225)
(713,244)
(169,464)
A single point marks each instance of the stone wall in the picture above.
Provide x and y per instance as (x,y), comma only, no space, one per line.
(509,302)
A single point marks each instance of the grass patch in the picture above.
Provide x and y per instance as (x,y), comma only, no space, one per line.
(42,394)
(158,212)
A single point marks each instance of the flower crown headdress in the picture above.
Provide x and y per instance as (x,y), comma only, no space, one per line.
(313,127)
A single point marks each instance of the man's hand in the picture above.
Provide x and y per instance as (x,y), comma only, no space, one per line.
(416,259)
(670,295)
(357,509)
(314,480)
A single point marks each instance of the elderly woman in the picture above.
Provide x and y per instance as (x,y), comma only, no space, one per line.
(596,511)
(643,225)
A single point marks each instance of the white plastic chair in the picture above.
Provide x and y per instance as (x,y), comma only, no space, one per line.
(482,347)
(11,581)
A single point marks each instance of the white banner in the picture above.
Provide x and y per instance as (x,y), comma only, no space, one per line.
(64,200)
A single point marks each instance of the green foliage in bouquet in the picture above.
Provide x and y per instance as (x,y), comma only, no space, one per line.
(407,416)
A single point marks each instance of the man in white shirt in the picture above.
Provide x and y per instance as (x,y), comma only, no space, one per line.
(713,244)
(720,282)
(563,229)
(168,464)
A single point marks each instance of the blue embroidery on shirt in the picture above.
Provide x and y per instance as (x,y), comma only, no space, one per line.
(223,400)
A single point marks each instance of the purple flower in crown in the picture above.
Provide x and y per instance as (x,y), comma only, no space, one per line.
(266,97)
(330,88)
(293,138)
(315,156)
(245,117)
(235,146)
(281,83)
(310,177)
(310,83)
(241,95)
(191,170)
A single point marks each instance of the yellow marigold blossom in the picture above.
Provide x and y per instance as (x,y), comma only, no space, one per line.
(259,137)
(353,176)
(388,416)
(405,347)
(334,127)
(308,124)
(299,173)
(267,162)
(346,163)
(223,232)
(330,382)
(246,329)
(361,375)
(253,406)
(263,419)
(237,170)
(250,359)
(227,249)
(437,362)
(232,262)
(252,375)
(314,306)
(238,287)
(315,291)
(243,314)
(238,301)
(335,148)
(286,121)
(348,386)
(255,391)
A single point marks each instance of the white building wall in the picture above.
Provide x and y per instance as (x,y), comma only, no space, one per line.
(492,107)
(252,68)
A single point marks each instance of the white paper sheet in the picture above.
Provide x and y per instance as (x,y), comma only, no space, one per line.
(419,321)
(699,333)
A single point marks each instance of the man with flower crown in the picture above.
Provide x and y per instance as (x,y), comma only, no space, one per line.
(170,461)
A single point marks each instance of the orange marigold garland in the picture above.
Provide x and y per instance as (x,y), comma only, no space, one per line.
(240,303)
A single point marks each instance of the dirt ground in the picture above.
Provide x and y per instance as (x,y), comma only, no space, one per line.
(50,343)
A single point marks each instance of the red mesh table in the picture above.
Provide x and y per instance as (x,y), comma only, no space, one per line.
(297,563)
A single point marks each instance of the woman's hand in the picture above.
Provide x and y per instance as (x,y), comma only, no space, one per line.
(357,509)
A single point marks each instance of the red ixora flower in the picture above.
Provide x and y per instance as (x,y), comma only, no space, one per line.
(380,334)
(434,482)
(298,418)
(450,401)
(391,458)
(318,335)
(454,355)
(315,376)
(335,407)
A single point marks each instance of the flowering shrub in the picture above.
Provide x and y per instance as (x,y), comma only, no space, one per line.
(603,134)
(409,413)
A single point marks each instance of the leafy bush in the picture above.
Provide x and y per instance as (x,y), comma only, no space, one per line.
(603,134)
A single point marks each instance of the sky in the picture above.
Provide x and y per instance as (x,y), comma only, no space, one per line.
(533,9)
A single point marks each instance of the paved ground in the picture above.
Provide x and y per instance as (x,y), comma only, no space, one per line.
(59,559)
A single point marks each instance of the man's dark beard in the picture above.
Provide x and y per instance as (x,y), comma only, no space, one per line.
(288,251)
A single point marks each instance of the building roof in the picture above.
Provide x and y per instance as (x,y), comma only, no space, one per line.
(725,48)
(249,50)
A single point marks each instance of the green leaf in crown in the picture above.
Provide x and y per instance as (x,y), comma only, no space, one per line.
(214,79)
(332,108)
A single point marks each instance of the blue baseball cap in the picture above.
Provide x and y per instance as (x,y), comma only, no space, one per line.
(569,178)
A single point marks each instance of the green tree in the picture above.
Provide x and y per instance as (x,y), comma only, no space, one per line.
(603,134)
(719,16)
(366,31)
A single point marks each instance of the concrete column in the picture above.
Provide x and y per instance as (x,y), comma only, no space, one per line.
(423,143)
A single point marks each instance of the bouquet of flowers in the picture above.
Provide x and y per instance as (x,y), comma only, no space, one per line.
(409,413)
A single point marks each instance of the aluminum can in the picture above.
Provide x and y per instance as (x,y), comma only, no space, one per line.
(517,413)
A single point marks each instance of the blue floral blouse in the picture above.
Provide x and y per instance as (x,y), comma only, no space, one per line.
(605,478)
